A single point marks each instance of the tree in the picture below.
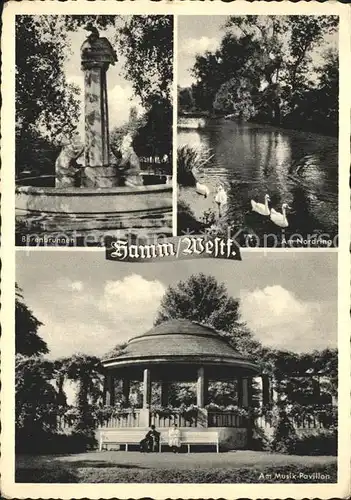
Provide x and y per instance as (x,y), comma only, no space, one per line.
(318,105)
(147,44)
(201,298)
(36,398)
(186,100)
(36,405)
(28,342)
(87,372)
(237,96)
(306,378)
(283,50)
(154,138)
(264,69)
(46,105)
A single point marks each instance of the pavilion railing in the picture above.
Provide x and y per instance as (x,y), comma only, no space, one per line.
(129,418)
(162,421)
(300,422)
(225,419)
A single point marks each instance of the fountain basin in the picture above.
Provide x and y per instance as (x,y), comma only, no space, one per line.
(147,207)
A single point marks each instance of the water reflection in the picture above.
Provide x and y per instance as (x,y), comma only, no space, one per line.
(250,160)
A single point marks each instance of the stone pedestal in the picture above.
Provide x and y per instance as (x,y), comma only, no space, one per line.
(144,417)
(96,56)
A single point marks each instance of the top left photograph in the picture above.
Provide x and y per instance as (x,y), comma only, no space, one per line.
(93,128)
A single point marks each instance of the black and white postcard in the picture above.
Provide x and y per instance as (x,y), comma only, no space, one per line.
(175,249)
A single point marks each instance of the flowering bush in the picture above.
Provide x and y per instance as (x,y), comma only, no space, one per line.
(190,412)
(104,413)
(236,410)
(163,411)
(71,415)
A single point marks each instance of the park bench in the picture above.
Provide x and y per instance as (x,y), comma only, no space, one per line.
(189,437)
(124,436)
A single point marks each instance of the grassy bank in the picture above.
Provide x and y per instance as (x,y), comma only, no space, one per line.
(118,467)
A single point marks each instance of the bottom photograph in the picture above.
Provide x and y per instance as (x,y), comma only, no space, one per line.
(201,371)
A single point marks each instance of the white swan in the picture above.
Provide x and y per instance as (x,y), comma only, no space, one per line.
(202,189)
(278,218)
(221,198)
(261,208)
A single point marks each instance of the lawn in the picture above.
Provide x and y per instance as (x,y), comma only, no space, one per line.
(134,467)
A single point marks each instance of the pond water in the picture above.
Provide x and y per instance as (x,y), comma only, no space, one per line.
(252,160)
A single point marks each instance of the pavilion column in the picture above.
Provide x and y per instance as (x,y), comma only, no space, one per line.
(164,393)
(201,388)
(147,388)
(266,390)
(246,390)
(240,391)
(109,389)
(126,390)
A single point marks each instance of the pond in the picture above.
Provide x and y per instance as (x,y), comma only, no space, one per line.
(250,161)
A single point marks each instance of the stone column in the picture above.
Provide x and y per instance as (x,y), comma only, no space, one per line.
(164,393)
(147,388)
(201,388)
(96,56)
(126,390)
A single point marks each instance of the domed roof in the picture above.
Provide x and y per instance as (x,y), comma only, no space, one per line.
(179,340)
(179,327)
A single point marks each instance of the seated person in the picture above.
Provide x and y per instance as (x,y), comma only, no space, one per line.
(174,438)
(151,441)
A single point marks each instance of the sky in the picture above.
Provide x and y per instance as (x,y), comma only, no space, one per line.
(89,305)
(197,34)
(119,89)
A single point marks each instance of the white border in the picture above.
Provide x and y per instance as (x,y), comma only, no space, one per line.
(17,490)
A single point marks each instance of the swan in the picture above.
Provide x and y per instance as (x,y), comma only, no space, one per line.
(202,189)
(221,198)
(261,208)
(278,218)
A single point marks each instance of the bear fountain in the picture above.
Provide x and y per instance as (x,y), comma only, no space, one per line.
(103,196)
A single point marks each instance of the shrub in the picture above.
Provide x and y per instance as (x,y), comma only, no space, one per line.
(319,442)
(259,440)
(316,442)
(51,443)
(190,159)
(186,220)
(285,435)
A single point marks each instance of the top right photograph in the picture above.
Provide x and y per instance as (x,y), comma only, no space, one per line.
(257,142)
